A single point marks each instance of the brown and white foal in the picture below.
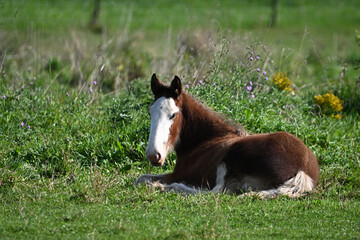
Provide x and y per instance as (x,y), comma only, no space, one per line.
(212,155)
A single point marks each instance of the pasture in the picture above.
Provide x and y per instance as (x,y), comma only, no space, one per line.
(74,121)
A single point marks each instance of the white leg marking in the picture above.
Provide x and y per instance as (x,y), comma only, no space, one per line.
(220,178)
(176,187)
(181,188)
(147,178)
(152,181)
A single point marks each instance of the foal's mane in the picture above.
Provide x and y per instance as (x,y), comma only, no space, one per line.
(213,116)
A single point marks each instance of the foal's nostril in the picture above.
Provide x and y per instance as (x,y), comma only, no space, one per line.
(158,156)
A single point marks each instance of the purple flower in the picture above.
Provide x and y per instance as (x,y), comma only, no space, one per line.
(22,124)
(252,95)
(200,82)
(251,58)
(252,53)
(94,82)
(4,97)
(214,84)
(250,83)
(28,126)
(187,86)
(257,57)
(258,69)
(22,87)
(264,72)
(249,88)
(90,89)
(67,94)
(266,78)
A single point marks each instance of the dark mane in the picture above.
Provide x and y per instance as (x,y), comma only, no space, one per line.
(239,128)
(209,124)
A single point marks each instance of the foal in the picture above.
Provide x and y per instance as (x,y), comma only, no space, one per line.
(212,155)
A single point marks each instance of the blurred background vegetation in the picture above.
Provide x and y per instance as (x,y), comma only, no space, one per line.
(313,41)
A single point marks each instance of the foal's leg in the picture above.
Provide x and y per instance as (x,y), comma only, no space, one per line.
(149,179)
(220,178)
(155,182)
(163,182)
(180,188)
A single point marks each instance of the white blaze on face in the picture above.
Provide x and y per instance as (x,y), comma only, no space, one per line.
(162,113)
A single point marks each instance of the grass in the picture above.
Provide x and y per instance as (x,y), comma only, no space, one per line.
(76,207)
(74,122)
(98,203)
(170,216)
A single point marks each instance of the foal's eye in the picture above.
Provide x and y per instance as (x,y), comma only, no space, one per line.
(173,116)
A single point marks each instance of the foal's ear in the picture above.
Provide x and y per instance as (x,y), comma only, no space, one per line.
(176,86)
(156,84)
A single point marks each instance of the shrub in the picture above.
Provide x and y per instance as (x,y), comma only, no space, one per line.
(330,104)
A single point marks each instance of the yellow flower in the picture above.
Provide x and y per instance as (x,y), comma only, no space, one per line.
(283,82)
(330,104)
(337,116)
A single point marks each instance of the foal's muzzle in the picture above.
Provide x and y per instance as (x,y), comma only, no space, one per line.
(155,159)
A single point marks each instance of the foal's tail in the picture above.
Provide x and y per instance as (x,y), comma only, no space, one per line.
(294,187)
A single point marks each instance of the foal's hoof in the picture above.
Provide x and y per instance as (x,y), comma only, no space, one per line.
(157,186)
(148,181)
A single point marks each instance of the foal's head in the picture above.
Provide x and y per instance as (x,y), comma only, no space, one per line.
(165,119)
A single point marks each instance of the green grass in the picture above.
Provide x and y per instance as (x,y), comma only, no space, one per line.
(71,174)
(96,203)
(168,216)
(101,203)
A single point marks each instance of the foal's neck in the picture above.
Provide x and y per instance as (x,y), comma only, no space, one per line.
(199,125)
